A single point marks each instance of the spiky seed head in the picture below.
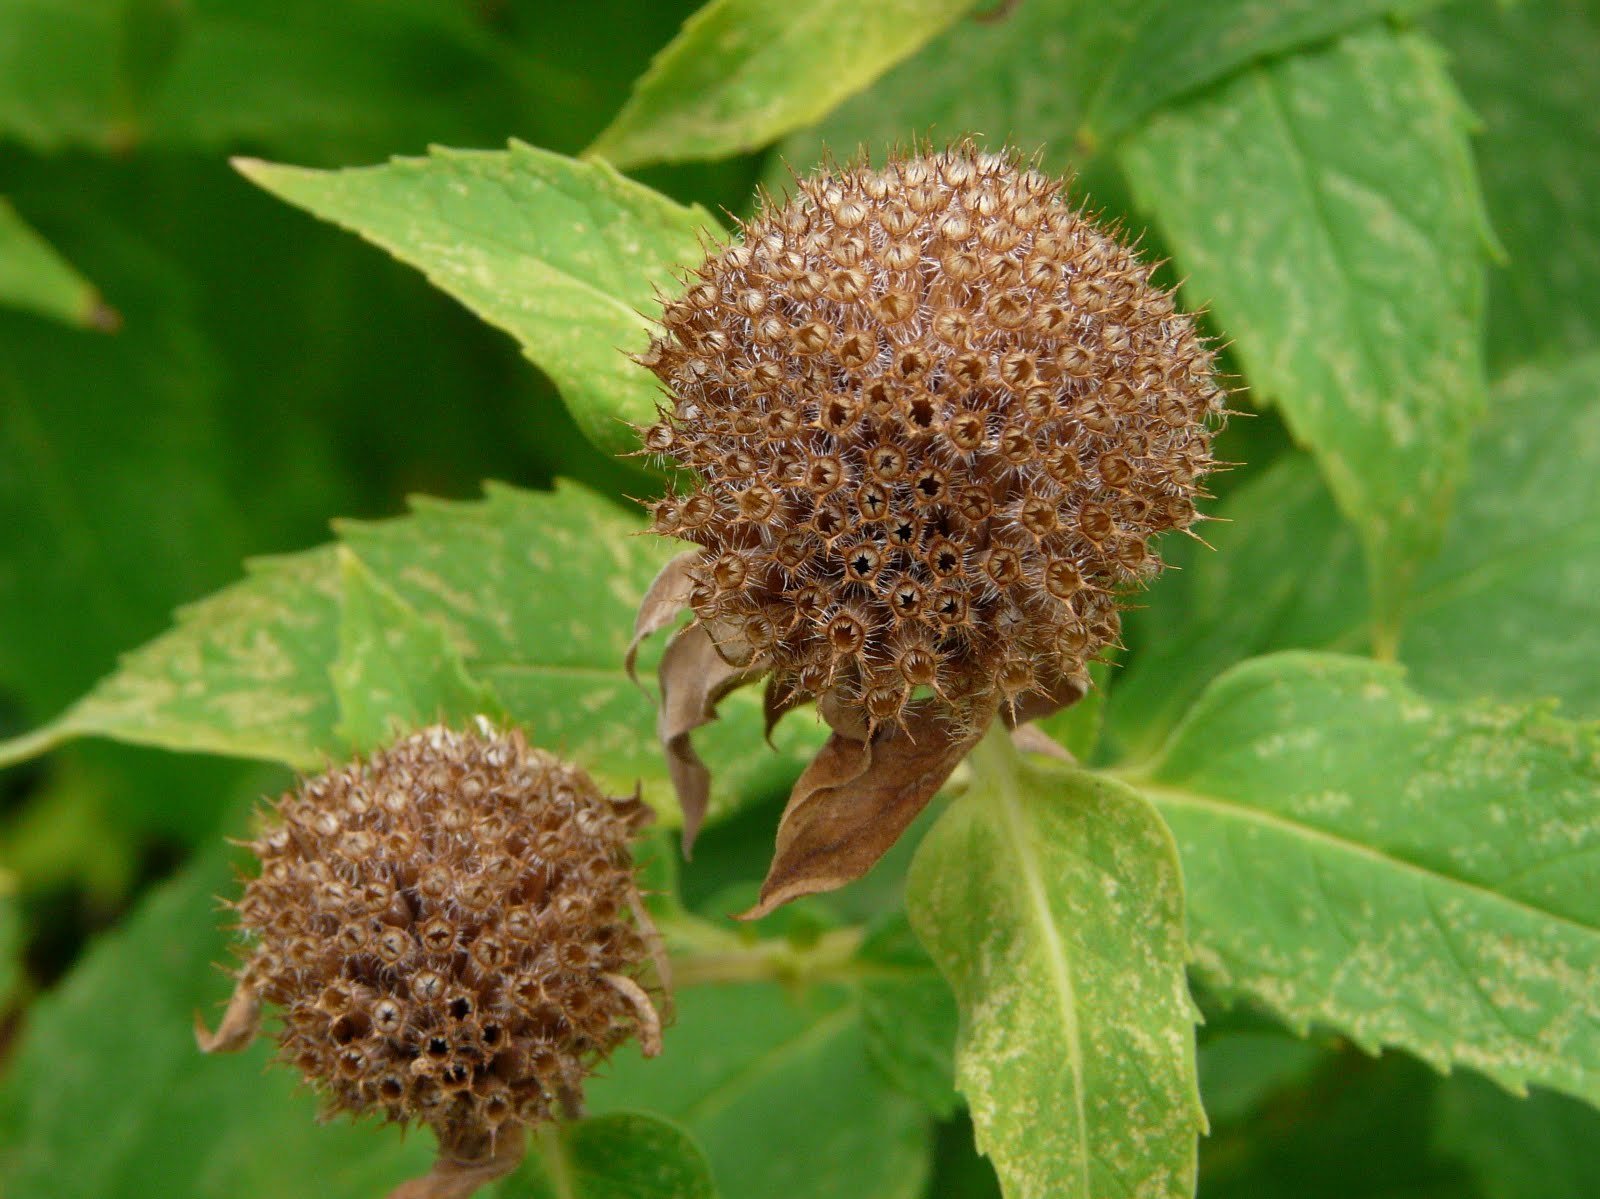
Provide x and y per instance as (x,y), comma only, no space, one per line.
(936,416)
(442,927)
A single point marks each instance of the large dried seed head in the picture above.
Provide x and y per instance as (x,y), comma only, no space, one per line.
(936,416)
(449,932)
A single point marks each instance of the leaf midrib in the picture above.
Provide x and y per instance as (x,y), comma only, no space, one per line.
(1015,829)
(1162,794)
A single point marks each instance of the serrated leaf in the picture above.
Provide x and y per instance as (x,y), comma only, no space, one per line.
(777,1087)
(1070,77)
(106,1069)
(1410,874)
(1326,208)
(1543,1146)
(534,591)
(395,671)
(743,73)
(1053,904)
(627,1155)
(1505,611)
(1531,72)
(35,277)
(563,255)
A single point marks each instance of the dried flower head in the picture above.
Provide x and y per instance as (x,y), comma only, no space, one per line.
(452,935)
(936,416)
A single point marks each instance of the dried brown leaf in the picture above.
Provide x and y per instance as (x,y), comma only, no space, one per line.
(239,1023)
(856,798)
(664,601)
(694,678)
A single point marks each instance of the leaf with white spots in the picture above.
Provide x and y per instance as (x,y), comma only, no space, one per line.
(565,256)
(532,592)
(742,73)
(1325,206)
(1506,611)
(1052,902)
(395,671)
(1072,77)
(1413,875)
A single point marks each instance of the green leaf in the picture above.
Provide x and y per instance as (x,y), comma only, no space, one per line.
(778,1088)
(1360,1128)
(621,1156)
(1242,1070)
(1531,72)
(395,671)
(534,591)
(34,277)
(106,1069)
(342,81)
(1413,875)
(565,256)
(1505,611)
(1053,904)
(113,489)
(745,72)
(1325,206)
(1544,1146)
(911,1016)
(1072,76)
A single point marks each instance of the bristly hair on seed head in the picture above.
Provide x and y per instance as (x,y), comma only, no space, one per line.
(935,418)
(451,932)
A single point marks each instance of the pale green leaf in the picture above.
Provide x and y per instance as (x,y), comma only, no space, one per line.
(1410,874)
(1543,1146)
(778,1088)
(1325,206)
(1069,77)
(565,256)
(534,591)
(35,277)
(1531,72)
(743,73)
(395,671)
(107,1097)
(1507,609)
(1053,904)
(627,1155)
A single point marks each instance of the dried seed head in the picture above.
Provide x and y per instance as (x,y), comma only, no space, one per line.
(993,409)
(475,961)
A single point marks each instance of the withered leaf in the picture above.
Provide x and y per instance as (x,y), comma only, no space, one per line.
(664,601)
(694,678)
(856,798)
(239,1023)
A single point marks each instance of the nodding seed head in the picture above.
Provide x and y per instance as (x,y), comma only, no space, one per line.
(990,407)
(404,975)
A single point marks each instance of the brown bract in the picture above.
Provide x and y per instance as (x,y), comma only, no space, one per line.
(935,417)
(451,934)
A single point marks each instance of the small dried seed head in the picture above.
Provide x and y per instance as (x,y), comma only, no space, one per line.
(993,408)
(462,969)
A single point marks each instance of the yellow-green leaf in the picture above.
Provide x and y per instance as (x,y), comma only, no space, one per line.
(1052,902)
(565,256)
(745,72)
